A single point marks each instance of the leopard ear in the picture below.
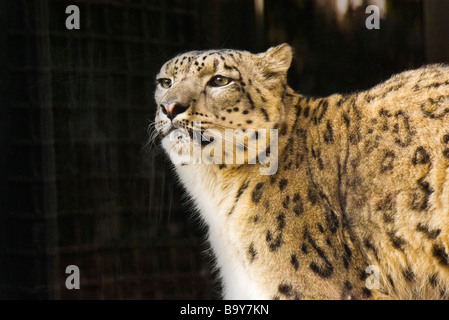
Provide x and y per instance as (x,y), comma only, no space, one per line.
(277,59)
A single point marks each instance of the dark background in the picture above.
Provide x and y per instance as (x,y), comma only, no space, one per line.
(79,185)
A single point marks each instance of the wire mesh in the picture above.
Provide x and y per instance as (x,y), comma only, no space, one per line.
(85,189)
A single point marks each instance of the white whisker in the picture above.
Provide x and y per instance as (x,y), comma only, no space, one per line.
(153,134)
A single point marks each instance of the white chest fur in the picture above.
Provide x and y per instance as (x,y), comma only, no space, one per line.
(214,199)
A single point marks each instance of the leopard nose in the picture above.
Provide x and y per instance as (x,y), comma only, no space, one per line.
(172,109)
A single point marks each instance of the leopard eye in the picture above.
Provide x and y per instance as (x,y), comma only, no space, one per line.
(219,81)
(164,82)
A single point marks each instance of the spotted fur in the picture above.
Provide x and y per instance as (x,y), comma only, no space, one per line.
(363,179)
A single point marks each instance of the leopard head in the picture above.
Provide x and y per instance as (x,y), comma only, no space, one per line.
(219,90)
